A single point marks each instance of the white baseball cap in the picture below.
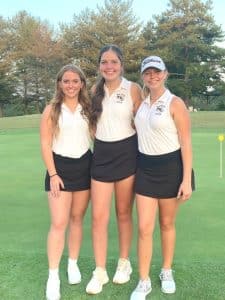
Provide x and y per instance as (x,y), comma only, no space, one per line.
(152,62)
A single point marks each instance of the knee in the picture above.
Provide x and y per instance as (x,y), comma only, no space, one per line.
(145,230)
(58,226)
(124,215)
(167,225)
(76,220)
(99,220)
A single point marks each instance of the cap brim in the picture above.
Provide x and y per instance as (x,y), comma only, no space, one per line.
(152,65)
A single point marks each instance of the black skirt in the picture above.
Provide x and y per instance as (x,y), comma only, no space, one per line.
(160,176)
(74,172)
(113,161)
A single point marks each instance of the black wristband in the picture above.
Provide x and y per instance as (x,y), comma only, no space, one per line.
(53,175)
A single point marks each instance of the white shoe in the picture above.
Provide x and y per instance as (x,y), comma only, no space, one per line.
(74,275)
(97,281)
(143,288)
(168,285)
(123,271)
(53,289)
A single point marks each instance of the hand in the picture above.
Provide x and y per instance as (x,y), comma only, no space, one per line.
(184,192)
(55,184)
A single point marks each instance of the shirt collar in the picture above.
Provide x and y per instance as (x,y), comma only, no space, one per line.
(64,107)
(148,98)
(120,87)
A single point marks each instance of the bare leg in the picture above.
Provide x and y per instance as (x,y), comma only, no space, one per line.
(79,206)
(167,216)
(59,211)
(101,197)
(124,203)
(146,210)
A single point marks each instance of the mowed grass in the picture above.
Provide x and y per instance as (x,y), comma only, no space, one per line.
(24,221)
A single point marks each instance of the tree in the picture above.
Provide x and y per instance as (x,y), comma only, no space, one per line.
(5,81)
(185,35)
(37,55)
(113,23)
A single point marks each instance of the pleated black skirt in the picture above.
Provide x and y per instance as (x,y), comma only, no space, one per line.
(160,176)
(74,172)
(113,161)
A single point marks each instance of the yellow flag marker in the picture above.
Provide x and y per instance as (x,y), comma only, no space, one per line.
(221,139)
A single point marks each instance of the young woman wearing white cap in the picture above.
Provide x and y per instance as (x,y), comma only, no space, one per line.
(114,103)
(164,175)
(65,144)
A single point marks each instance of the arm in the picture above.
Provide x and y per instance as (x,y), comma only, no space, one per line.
(136,94)
(181,118)
(92,130)
(46,136)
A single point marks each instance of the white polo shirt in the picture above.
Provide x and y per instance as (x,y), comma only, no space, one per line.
(115,121)
(156,130)
(73,139)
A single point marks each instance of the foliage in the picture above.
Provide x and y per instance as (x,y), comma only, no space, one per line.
(112,23)
(5,82)
(185,35)
(33,55)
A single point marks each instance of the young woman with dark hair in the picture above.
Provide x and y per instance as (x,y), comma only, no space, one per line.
(114,103)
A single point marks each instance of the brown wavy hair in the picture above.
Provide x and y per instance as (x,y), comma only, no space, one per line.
(98,91)
(83,97)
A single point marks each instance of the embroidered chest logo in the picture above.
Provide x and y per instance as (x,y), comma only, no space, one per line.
(120,97)
(159,109)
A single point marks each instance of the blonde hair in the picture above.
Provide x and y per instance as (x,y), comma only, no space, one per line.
(83,97)
(145,91)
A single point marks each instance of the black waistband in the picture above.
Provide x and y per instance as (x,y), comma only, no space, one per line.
(145,160)
(133,137)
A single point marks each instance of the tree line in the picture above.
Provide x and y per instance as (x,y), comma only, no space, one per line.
(185,35)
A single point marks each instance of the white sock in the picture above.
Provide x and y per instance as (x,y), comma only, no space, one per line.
(100,269)
(71,262)
(53,273)
(164,270)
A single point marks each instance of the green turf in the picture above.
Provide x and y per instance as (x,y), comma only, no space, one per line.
(199,259)
(208,120)
(29,121)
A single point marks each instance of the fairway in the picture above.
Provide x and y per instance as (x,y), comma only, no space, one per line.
(200,251)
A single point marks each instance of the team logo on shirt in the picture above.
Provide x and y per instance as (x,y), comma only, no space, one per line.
(159,109)
(120,97)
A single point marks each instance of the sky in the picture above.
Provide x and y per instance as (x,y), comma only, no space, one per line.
(56,11)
